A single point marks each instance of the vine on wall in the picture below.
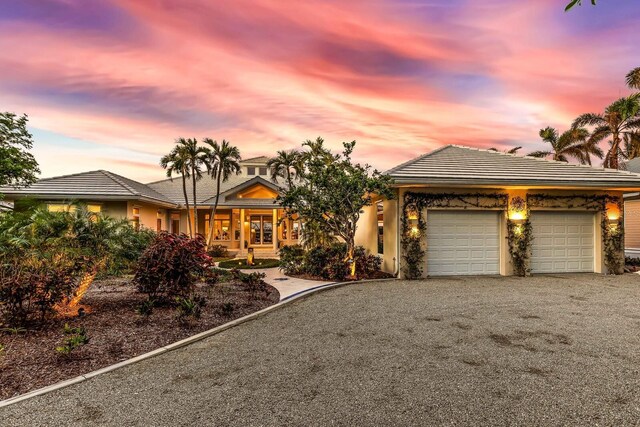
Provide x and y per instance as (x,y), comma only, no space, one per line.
(519,237)
(414,226)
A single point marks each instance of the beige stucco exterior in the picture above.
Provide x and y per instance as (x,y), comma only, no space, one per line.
(392,257)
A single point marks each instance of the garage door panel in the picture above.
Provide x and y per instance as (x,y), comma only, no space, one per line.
(563,242)
(462,243)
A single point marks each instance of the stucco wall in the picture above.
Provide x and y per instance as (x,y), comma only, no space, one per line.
(367,230)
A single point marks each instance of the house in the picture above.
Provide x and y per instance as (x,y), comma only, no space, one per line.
(632,215)
(247,215)
(460,204)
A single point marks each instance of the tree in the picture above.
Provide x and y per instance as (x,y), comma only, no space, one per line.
(176,163)
(576,2)
(633,78)
(287,165)
(513,150)
(620,122)
(223,161)
(18,167)
(332,190)
(196,158)
(572,143)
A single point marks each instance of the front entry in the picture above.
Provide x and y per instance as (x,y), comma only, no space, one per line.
(261,230)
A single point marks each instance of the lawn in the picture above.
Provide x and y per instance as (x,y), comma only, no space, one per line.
(544,350)
(116,332)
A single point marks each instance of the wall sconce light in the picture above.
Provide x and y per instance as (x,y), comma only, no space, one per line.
(415,231)
(517,216)
(413,215)
(613,222)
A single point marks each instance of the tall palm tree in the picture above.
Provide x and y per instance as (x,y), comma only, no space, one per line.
(223,161)
(633,78)
(572,143)
(175,163)
(620,121)
(196,159)
(287,165)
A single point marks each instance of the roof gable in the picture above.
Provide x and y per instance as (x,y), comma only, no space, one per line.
(456,165)
(245,189)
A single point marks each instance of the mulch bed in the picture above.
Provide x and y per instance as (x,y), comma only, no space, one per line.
(116,332)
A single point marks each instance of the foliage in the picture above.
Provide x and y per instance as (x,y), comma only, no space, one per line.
(633,78)
(226,309)
(328,262)
(223,161)
(576,2)
(315,234)
(218,251)
(31,287)
(292,259)
(287,165)
(176,162)
(332,190)
(18,167)
(519,237)
(75,338)
(620,125)
(242,263)
(171,266)
(190,307)
(145,308)
(251,282)
(572,143)
(613,245)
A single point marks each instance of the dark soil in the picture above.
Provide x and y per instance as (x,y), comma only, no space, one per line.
(116,332)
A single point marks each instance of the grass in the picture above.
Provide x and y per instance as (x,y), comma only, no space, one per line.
(242,263)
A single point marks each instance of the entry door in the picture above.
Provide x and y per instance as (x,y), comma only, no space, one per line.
(261,229)
(463,243)
(563,242)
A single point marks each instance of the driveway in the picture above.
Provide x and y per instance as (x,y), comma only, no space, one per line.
(546,350)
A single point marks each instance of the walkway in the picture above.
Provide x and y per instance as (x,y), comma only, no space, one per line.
(287,286)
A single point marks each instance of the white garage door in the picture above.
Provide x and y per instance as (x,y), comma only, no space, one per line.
(462,243)
(563,242)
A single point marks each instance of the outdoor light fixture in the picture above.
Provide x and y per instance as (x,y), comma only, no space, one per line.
(415,231)
(517,216)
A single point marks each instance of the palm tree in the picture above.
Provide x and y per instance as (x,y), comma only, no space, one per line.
(513,150)
(196,158)
(572,143)
(633,78)
(175,163)
(620,122)
(223,161)
(287,164)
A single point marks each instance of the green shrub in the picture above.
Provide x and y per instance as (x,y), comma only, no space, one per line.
(218,251)
(292,259)
(190,307)
(75,338)
(226,309)
(145,309)
(251,282)
(171,266)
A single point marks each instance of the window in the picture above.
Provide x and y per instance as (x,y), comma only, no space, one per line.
(261,230)
(263,170)
(251,170)
(221,227)
(136,219)
(159,215)
(64,207)
(175,223)
(295,230)
(380,228)
(285,223)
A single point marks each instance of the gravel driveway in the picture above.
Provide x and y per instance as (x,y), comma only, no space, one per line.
(545,350)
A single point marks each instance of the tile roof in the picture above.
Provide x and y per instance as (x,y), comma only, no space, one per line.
(457,165)
(99,184)
(259,159)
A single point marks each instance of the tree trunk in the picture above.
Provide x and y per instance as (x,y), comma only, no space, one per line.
(615,147)
(186,201)
(195,201)
(350,256)
(213,214)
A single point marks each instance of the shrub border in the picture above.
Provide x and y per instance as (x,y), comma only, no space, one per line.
(182,343)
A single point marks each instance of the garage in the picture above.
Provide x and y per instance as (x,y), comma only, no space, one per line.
(463,242)
(563,242)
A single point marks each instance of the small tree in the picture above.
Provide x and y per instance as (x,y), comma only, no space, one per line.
(18,168)
(332,190)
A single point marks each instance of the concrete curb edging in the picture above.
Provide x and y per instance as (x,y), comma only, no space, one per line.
(179,344)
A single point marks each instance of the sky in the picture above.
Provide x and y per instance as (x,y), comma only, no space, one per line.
(110,84)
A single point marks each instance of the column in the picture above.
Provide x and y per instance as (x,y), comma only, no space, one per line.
(275,231)
(242,250)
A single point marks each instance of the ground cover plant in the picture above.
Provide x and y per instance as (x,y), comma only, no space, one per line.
(242,263)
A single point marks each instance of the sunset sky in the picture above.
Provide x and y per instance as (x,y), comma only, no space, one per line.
(109,84)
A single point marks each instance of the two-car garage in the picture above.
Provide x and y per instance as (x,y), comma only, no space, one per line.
(466,242)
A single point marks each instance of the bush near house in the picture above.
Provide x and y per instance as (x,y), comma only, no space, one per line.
(329,262)
(171,266)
